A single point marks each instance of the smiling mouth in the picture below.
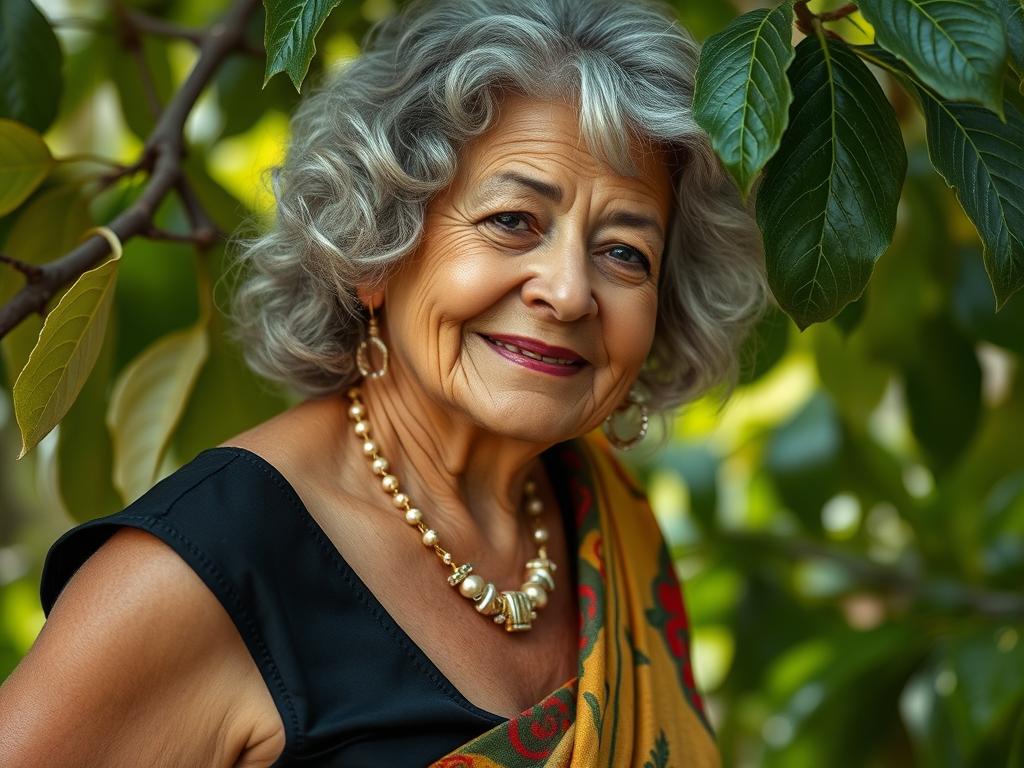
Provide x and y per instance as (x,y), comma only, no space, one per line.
(531,358)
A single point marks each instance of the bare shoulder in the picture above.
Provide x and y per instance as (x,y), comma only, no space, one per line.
(138,664)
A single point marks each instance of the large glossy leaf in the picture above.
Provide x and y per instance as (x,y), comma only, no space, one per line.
(30,60)
(64,356)
(148,400)
(290,33)
(24,163)
(955,47)
(84,449)
(49,226)
(827,204)
(742,96)
(1013,17)
(982,159)
(974,307)
(944,394)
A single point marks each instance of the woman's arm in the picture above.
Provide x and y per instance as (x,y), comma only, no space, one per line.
(138,664)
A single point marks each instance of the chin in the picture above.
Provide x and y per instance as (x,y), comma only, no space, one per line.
(524,418)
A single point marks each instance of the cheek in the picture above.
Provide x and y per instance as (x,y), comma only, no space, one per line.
(628,328)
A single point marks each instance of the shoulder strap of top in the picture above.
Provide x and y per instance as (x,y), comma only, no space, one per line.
(215,512)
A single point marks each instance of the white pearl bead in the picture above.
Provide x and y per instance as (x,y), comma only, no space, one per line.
(540,535)
(413,516)
(430,538)
(379,465)
(400,500)
(537,594)
(356,411)
(472,586)
(362,428)
(389,483)
(369,448)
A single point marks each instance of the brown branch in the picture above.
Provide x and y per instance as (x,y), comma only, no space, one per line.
(162,28)
(839,13)
(164,151)
(869,574)
(30,271)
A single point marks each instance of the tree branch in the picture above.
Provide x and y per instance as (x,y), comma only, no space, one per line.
(164,151)
(883,578)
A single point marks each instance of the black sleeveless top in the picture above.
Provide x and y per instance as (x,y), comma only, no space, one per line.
(350,685)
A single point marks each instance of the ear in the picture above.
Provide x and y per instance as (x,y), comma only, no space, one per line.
(370,296)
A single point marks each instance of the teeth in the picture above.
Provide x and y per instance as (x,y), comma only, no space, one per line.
(533,355)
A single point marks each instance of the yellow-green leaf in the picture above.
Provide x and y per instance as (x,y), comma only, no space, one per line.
(148,400)
(64,356)
(49,226)
(24,163)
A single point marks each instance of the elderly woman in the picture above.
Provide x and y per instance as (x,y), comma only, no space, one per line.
(497,231)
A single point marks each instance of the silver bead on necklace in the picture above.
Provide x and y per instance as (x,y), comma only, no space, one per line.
(516,609)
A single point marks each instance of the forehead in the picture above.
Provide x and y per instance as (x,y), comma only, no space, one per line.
(545,135)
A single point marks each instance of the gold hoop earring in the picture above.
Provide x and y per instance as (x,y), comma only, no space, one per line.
(625,444)
(363,352)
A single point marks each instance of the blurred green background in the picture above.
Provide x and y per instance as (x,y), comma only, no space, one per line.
(849,526)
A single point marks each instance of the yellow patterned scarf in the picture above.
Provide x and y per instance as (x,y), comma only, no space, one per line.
(633,703)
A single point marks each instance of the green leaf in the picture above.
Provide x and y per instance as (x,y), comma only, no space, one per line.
(742,96)
(982,159)
(975,310)
(944,394)
(49,226)
(24,162)
(1013,17)
(84,450)
(146,405)
(135,93)
(957,48)
(30,59)
(289,36)
(765,346)
(827,204)
(65,354)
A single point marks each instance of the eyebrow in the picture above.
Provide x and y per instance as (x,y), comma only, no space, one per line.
(554,193)
(550,191)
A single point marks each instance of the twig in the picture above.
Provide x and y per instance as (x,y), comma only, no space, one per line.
(838,13)
(163,153)
(162,28)
(889,579)
(31,272)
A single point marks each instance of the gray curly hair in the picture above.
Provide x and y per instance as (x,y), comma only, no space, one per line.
(377,140)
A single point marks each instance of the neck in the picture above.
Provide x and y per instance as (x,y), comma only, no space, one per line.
(467,481)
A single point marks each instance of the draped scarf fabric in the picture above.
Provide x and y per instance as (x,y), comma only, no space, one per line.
(633,702)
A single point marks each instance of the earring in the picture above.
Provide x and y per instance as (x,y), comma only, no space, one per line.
(625,444)
(363,353)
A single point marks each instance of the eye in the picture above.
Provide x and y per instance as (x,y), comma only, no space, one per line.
(629,255)
(510,221)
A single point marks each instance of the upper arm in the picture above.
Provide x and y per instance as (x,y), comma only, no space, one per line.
(137,664)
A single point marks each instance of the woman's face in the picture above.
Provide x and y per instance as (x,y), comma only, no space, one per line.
(536,250)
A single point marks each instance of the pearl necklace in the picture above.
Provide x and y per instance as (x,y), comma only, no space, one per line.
(513,608)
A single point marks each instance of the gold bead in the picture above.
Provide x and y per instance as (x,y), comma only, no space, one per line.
(472,586)
(356,411)
(389,483)
(353,393)
(369,448)
(362,428)
(537,594)
(489,602)
(413,516)
(541,576)
(535,506)
(530,487)
(430,538)
(380,466)
(400,500)
(540,535)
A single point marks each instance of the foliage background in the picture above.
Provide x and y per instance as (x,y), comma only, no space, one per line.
(850,526)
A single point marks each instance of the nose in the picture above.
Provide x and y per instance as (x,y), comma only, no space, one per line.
(560,282)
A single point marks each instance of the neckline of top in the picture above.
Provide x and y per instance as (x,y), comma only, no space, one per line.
(293,497)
